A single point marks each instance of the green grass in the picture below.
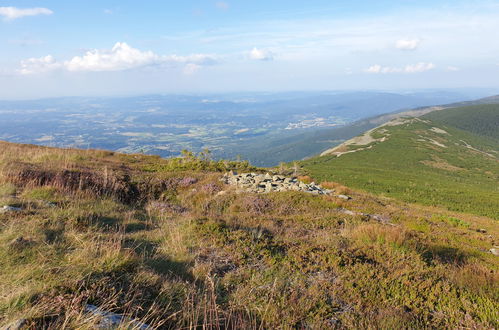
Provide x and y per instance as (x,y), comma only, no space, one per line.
(415,171)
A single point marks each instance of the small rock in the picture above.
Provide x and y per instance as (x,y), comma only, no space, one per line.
(345,197)
(379,218)
(494,251)
(481,230)
(348,212)
(8,208)
(108,320)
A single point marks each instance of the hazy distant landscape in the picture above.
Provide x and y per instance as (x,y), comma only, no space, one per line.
(229,125)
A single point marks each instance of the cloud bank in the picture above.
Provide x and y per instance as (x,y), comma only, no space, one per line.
(120,57)
(11,13)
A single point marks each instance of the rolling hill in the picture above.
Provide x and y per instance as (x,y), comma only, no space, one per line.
(447,158)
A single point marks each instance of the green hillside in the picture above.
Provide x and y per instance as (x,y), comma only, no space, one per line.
(479,119)
(421,161)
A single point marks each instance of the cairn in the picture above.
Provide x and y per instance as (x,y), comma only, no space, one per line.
(265,183)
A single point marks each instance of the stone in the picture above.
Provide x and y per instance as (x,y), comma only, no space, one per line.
(8,208)
(108,320)
(347,212)
(345,197)
(264,183)
(380,218)
(495,251)
(483,231)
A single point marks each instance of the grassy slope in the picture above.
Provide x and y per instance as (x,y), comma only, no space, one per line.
(479,119)
(153,239)
(420,171)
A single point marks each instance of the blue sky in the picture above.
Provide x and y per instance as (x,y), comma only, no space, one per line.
(62,48)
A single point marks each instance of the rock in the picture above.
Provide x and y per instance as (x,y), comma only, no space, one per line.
(108,320)
(495,251)
(347,211)
(379,218)
(481,230)
(16,325)
(264,183)
(345,197)
(8,208)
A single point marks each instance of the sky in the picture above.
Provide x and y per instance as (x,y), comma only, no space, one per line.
(128,47)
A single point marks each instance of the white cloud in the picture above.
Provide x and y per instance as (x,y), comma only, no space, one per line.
(260,54)
(411,68)
(222,5)
(11,13)
(407,44)
(120,57)
(453,68)
(39,65)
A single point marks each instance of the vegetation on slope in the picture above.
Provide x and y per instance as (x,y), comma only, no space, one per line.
(421,162)
(479,119)
(157,240)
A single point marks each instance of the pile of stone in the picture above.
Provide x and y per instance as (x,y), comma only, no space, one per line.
(264,183)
